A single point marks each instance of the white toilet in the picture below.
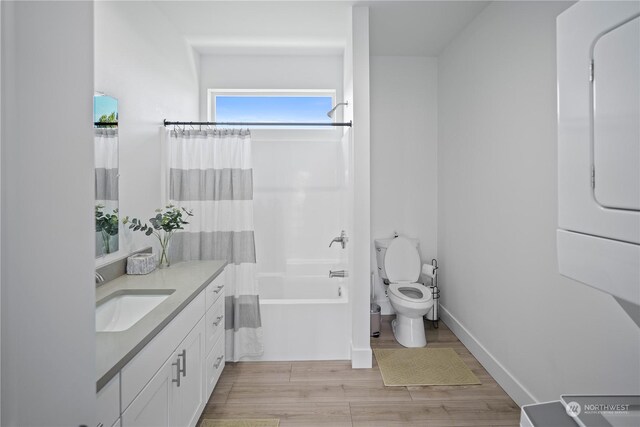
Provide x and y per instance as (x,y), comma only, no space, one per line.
(399,266)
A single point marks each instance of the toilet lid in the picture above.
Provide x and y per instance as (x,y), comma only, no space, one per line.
(401,261)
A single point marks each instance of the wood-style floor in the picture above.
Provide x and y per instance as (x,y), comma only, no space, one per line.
(330,393)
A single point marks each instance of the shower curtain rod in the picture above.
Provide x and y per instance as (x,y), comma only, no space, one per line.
(168,123)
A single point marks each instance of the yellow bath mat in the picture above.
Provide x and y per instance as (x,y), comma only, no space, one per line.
(273,422)
(423,366)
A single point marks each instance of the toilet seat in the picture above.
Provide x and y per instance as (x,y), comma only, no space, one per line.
(415,293)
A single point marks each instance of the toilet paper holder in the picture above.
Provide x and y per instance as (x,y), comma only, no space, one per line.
(434,314)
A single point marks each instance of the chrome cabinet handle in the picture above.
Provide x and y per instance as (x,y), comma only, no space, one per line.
(100,425)
(218,320)
(218,289)
(177,364)
(184,362)
(218,362)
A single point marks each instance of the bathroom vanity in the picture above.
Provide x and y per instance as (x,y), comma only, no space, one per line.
(159,363)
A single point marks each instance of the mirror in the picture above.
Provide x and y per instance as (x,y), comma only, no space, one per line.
(105,123)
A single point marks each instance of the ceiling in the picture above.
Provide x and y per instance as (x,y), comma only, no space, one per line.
(412,28)
(421,28)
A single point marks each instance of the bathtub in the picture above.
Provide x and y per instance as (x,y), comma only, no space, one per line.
(304,318)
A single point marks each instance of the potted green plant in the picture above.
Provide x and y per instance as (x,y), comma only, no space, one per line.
(163,225)
(107,226)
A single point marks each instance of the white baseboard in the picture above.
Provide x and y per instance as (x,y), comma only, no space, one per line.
(361,358)
(507,381)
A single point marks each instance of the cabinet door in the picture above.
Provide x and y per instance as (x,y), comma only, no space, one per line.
(154,406)
(108,403)
(190,395)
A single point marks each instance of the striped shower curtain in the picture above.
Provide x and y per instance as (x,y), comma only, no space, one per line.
(106,183)
(210,173)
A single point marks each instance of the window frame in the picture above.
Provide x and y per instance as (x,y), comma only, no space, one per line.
(213,93)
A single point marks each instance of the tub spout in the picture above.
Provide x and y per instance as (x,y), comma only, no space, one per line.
(338,273)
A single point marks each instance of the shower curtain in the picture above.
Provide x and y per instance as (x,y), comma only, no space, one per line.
(106,183)
(210,173)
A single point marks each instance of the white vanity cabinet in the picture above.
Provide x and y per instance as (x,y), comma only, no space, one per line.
(190,399)
(169,381)
(174,395)
(108,403)
(153,406)
(215,344)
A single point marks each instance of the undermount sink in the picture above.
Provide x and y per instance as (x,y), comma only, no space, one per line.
(123,309)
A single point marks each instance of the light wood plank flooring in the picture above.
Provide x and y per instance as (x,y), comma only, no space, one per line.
(330,393)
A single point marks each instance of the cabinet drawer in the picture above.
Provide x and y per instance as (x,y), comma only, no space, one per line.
(108,403)
(139,371)
(215,322)
(215,289)
(215,365)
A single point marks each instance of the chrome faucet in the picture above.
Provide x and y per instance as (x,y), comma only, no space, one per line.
(338,273)
(99,278)
(343,239)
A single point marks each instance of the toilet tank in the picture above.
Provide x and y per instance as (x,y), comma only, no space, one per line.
(381,246)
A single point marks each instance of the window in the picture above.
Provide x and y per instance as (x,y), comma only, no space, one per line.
(271,105)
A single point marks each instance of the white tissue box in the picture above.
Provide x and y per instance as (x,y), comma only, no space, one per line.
(141,263)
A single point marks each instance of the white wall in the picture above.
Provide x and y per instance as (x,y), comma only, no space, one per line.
(404,136)
(269,72)
(48,298)
(361,356)
(141,60)
(0,216)
(538,333)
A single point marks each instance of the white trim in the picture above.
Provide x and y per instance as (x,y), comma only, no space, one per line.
(212,93)
(360,212)
(507,381)
(0,212)
(164,166)
(361,358)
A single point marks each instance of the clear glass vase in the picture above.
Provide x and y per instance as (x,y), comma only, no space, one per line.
(165,261)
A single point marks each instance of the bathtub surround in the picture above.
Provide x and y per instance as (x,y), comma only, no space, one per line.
(538,333)
(210,174)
